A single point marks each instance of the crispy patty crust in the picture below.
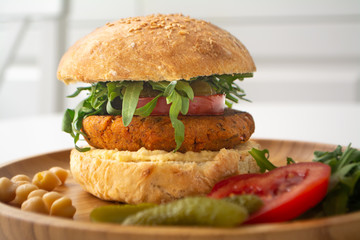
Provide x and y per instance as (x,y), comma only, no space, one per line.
(156,132)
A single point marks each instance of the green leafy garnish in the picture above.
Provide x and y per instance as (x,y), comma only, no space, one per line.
(94,104)
(176,105)
(130,101)
(344,188)
(67,121)
(262,159)
(289,161)
(121,98)
(146,110)
(226,85)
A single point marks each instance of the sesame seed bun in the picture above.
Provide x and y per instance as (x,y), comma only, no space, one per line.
(156,48)
(136,163)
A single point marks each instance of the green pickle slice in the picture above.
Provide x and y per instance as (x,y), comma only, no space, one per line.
(251,202)
(117,213)
(202,88)
(200,211)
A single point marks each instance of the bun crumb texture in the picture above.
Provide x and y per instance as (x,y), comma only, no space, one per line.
(157,176)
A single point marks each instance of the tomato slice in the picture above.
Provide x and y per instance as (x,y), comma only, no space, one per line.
(287,191)
(200,105)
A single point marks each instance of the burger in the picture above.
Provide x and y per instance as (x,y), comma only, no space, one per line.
(157,118)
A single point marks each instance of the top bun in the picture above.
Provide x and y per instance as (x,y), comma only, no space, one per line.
(156,47)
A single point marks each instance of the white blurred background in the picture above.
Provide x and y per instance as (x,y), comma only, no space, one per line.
(307,52)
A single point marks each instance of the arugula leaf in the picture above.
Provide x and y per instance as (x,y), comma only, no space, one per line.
(289,161)
(176,104)
(131,98)
(170,88)
(121,97)
(184,105)
(335,202)
(226,84)
(179,103)
(262,159)
(185,88)
(81,111)
(344,188)
(146,110)
(84,149)
(112,110)
(114,91)
(78,91)
(67,120)
(228,104)
(160,86)
(98,96)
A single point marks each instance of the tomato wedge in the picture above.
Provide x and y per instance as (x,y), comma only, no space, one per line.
(200,105)
(287,191)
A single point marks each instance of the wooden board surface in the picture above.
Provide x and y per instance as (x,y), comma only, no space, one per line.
(16,224)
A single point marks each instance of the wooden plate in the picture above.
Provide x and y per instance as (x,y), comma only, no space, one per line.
(17,224)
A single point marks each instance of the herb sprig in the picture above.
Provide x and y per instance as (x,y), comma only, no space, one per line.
(121,98)
(344,188)
(225,84)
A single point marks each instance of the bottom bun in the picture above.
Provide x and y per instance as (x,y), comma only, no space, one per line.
(157,176)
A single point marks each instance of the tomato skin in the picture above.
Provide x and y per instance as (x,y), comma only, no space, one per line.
(287,191)
(200,105)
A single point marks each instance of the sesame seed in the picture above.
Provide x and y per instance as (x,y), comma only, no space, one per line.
(112,72)
(182,32)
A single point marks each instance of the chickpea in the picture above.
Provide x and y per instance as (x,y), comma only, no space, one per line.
(61,173)
(37,193)
(59,205)
(22,193)
(50,197)
(20,178)
(63,207)
(7,190)
(46,180)
(33,195)
(35,204)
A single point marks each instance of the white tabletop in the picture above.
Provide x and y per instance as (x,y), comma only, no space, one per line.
(317,122)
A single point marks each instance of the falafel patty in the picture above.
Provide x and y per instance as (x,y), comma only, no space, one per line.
(156,132)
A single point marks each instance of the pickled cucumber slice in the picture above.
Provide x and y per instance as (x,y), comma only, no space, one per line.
(202,88)
(117,213)
(201,211)
(251,202)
